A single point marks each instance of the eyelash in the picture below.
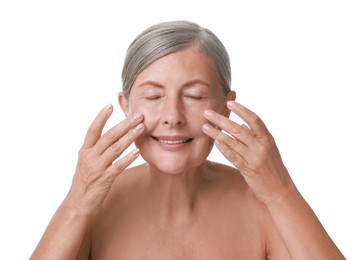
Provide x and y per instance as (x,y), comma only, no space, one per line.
(153,97)
(187,96)
(194,97)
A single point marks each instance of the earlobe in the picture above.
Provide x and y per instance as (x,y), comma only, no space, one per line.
(123,103)
(231,97)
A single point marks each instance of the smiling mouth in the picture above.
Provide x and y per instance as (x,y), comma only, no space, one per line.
(168,141)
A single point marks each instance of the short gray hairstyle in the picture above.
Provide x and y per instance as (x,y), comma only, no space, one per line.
(164,38)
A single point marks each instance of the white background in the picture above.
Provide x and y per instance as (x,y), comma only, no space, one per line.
(298,64)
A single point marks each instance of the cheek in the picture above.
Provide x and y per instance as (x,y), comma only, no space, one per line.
(150,116)
(196,119)
(196,112)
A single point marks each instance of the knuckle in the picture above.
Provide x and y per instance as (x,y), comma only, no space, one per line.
(236,160)
(255,119)
(233,142)
(120,165)
(92,129)
(236,129)
(117,147)
(268,145)
(256,163)
(263,151)
(83,154)
(233,157)
(110,134)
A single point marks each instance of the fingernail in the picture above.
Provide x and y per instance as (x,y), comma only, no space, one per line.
(206,127)
(231,103)
(140,127)
(107,107)
(208,113)
(137,116)
(136,152)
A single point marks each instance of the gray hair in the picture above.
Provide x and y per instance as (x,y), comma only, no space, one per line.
(162,39)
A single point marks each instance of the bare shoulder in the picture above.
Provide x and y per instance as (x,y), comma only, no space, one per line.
(231,187)
(225,176)
(240,198)
(222,172)
(119,194)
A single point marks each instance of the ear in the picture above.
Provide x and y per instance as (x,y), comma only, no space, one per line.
(123,103)
(230,97)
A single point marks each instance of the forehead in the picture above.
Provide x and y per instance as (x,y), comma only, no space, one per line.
(180,67)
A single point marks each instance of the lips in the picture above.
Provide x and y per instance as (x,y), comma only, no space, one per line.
(172,140)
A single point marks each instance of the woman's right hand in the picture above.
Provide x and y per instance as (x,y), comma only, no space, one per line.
(97,166)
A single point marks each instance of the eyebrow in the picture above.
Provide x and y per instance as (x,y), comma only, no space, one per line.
(187,84)
(196,81)
(150,82)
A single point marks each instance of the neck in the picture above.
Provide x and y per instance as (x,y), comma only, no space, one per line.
(176,195)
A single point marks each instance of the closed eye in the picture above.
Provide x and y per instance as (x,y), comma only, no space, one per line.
(194,97)
(153,97)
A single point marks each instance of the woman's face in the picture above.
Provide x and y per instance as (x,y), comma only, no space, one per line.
(172,93)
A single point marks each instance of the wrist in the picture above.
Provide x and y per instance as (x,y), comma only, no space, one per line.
(283,196)
(77,209)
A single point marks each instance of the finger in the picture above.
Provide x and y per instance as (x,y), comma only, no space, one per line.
(117,148)
(116,132)
(217,135)
(95,129)
(241,133)
(253,120)
(121,164)
(235,158)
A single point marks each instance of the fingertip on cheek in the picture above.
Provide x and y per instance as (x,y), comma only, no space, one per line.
(137,116)
(231,104)
(206,128)
(208,113)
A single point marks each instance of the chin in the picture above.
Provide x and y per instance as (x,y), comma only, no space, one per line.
(173,165)
(174,169)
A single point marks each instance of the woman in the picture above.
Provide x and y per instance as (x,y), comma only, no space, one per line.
(178,205)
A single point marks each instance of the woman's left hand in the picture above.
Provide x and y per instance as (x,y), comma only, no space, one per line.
(252,150)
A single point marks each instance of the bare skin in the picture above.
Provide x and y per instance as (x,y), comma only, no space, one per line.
(179,205)
(223,221)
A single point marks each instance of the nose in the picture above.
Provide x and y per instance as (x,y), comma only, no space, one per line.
(173,112)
